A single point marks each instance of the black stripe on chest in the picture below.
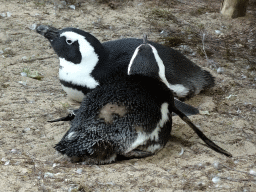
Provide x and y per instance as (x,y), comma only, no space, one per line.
(83,89)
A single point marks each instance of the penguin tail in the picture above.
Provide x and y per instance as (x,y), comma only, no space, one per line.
(209,79)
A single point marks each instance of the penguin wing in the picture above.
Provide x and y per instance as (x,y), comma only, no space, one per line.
(185,108)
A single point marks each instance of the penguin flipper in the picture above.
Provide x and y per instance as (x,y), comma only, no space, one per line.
(69,117)
(185,108)
(207,141)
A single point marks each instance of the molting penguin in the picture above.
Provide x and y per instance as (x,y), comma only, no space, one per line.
(85,62)
(128,115)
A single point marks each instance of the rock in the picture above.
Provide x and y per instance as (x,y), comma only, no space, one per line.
(207,104)
(218,32)
(48,174)
(215,179)
(220,70)
(4,38)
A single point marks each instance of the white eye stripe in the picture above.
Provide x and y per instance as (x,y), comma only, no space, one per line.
(79,74)
(69,40)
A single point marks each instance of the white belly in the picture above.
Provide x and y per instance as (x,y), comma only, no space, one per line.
(74,94)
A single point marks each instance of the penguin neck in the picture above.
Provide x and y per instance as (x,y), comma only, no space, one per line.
(81,74)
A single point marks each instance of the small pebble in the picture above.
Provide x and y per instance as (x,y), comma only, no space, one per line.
(7,163)
(204,112)
(218,32)
(48,174)
(110,183)
(252,172)
(32,27)
(8,14)
(215,179)
(244,76)
(72,7)
(164,33)
(27,129)
(22,83)
(2,14)
(216,165)
(220,70)
(14,150)
(79,171)
(24,58)
(23,74)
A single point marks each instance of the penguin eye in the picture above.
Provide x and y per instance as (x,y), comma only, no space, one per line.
(69,42)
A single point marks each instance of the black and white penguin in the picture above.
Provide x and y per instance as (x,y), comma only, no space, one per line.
(85,62)
(128,115)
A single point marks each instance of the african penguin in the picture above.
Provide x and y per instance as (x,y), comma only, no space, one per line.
(128,115)
(85,62)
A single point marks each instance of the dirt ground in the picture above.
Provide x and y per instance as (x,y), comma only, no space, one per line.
(28,161)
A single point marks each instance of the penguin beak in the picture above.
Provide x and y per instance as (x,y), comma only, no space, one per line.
(48,32)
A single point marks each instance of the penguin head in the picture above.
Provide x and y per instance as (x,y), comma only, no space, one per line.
(86,146)
(90,140)
(143,60)
(79,52)
(73,45)
(146,61)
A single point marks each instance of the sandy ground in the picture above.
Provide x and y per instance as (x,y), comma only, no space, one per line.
(28,161)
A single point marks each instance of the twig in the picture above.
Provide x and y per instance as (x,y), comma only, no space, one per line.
(204,48)
(32,60)
(238,170)
(237,180)
(210,62)
(248,136)
(41,58)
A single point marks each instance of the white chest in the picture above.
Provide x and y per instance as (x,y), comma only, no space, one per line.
(78,74)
